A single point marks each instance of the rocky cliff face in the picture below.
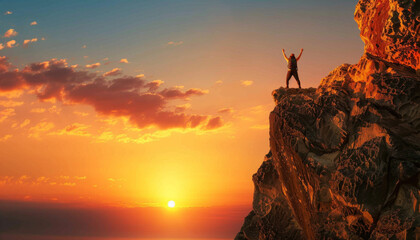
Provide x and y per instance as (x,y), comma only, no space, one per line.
(390,29)
(345,157)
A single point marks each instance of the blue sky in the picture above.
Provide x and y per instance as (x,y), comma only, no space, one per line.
(140,30)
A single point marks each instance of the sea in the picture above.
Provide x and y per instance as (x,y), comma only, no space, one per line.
(43,237)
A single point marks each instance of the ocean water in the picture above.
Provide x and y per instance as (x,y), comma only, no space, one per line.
(43,237)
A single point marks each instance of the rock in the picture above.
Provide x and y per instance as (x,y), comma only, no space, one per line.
(390,29)
(344,158)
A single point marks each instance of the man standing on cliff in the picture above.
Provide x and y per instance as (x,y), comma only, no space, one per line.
(292,65)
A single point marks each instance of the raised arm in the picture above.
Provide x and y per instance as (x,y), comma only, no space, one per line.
(301,51)
(284,55)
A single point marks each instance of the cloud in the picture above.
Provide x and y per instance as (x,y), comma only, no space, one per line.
(11,44)
(143,103)
(33,23)
(105,136)
(11,94)
(219,82)
(25,123)
(214,123)
(182,108)
(10,33)
(8,12)
(113,72)
(176,92)
(5,137)
(38,110)
(75,129)
(40,128)
(1,46)
(92,66)
(27,41)
(153,85)
(6,113)
(42,180)
(171,43)
(10,103)
(247,83)
(84,46)
(123,60)
(225,110)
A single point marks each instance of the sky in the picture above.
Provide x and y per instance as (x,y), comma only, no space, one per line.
(130,104)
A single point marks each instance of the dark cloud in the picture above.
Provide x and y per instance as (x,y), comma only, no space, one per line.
(177,92)
(132,97)
(214,123)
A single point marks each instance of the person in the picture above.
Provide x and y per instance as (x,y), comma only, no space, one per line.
(293,69)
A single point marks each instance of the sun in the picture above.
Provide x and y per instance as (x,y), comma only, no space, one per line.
(171,204)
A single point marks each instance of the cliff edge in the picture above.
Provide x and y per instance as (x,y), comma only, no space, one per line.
(345,157)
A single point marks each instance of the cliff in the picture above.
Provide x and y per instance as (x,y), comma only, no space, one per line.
(345,157)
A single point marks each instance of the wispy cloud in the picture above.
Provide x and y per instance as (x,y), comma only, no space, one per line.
(52,109)
(10,33)
(38,110)
(42,127)
(25,123)
(26,42)
(6,113)
(75,129)
(5,137)
(225,110)
(33,23)
(171,43)
(123,60)
(84,46)
(247,83)
(183,107)
(69,181)
(8,12)
(113,72)
(92,66)
(10,103)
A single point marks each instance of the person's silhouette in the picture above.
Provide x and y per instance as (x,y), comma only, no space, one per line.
(292,65)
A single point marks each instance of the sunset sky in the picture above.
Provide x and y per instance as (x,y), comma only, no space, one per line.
(129,104)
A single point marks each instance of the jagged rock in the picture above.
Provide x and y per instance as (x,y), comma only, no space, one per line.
(391,29)
(345,157)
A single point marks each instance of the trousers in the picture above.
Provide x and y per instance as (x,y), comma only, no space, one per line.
(294,73)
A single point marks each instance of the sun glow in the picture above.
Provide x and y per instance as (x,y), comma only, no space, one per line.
(171,204)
